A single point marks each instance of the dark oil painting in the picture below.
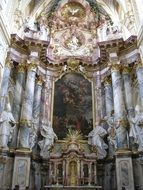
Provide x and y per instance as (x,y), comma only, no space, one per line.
(72,105)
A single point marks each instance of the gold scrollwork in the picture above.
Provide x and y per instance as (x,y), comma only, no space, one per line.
(26,122)
(21,68)
(138,63)
(107,81)
(126,69)
(39,80)
(73,64)
(9,62)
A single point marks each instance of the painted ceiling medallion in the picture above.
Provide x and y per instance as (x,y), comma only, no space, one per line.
(73,11)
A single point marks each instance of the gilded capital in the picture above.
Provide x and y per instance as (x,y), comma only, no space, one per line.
(39,80)
(9,62)
(115,67)
(107,81)
(73,64)
(21,68)
(32,65)
(138,63)
(126,69)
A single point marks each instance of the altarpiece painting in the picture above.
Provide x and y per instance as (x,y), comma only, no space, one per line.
(72,105)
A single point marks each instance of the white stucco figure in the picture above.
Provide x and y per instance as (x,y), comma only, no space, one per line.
(95,138)
(73,44)
(7,123)
(48,139)
(111,133)
(44,32)
(136,128)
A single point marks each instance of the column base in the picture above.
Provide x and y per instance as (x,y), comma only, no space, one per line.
(124,170)
(21,172)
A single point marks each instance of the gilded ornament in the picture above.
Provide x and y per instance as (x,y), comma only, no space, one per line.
(138,63)
(39,80)
(32,65)
(9,62)
(126,69)
(73,140)
(73,10)
(21,68)
(26,122)
(114,66)
(107,81)
(73,64)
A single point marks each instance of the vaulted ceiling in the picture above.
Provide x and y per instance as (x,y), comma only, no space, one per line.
(37,6)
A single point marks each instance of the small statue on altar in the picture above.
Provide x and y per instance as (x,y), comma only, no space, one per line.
(136,128)
(111,133)
(95,138)
(7,123)
(48,141)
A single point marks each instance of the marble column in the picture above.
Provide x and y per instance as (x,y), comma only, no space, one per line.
(119,106)
(5,83)
(37,100)
(128,91)
(139,71)
(98,98)
(19,88)
(47,100)
(27,107)
(108,96)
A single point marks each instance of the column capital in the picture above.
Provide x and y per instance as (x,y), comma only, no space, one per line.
(9,62)
(32,65)
(114,66)
(107,81)
(39,80)
(21,68)
(138,63)
(126,69)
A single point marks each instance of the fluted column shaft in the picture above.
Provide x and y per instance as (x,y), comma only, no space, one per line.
(119,106)
(128,91)
(108,96)
(5,83)
(139,71)
(27,107)
(19,87)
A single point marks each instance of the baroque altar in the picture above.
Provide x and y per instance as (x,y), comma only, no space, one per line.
(71,112)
